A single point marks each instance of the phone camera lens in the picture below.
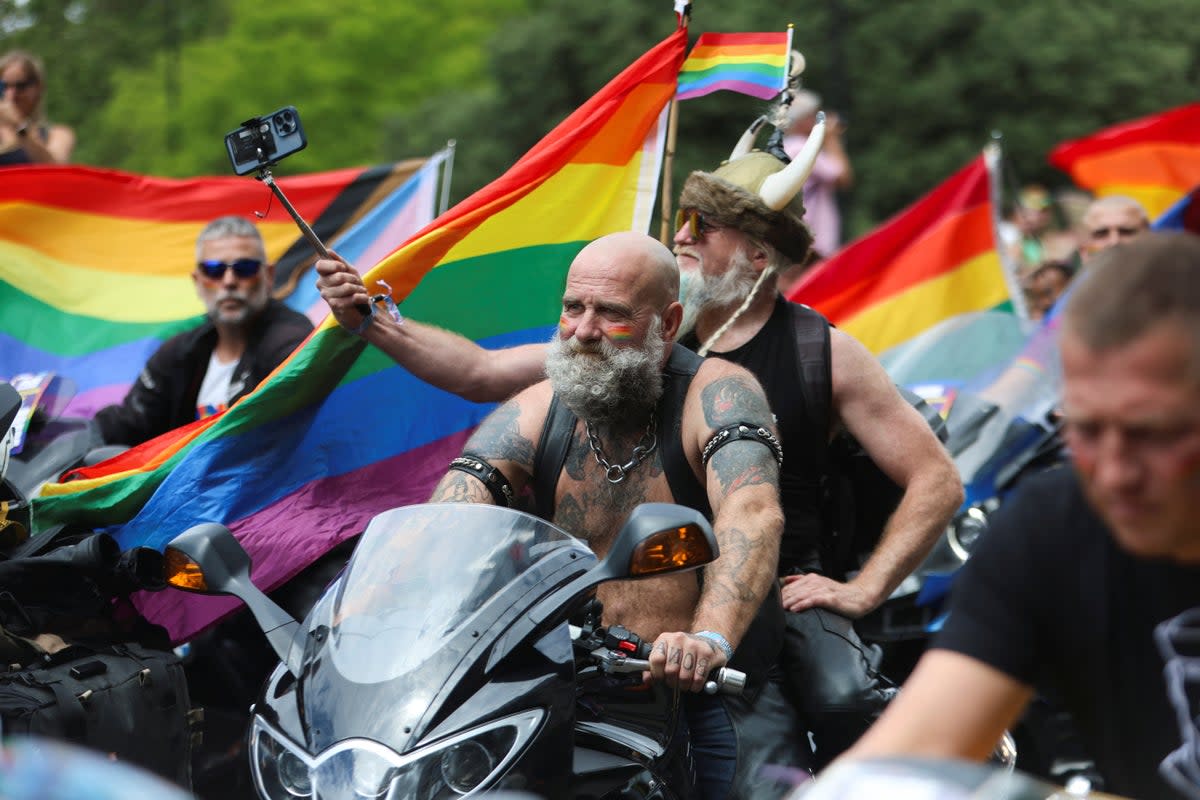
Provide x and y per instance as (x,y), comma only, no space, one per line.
(285,123)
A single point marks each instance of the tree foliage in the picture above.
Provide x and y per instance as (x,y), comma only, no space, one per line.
(154,86)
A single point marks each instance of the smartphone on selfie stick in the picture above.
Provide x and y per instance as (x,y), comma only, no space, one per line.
(261,143)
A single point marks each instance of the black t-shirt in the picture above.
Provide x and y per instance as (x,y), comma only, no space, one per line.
(1048,598)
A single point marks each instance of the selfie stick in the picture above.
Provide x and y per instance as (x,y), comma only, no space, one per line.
(264,175)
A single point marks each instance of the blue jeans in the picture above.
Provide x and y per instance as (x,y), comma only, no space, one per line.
(714,745)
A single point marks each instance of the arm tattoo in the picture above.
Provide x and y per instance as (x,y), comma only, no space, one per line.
(499,437)
(459,487)
(739,554)
(728,401)
(743,463)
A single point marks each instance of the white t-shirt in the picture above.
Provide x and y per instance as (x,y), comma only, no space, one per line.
(214,391)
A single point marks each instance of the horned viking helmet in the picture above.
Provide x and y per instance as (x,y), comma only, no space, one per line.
(759,193)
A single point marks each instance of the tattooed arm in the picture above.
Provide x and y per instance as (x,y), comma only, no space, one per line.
(506,440)
(742,479)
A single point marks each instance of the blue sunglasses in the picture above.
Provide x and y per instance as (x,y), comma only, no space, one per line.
(242,268)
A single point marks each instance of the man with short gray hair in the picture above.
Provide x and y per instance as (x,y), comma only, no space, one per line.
(203,371)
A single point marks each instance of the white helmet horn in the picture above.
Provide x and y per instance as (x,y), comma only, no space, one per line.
(746,143)
(779,189)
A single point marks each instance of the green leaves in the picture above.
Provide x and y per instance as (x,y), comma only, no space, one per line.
(154,86)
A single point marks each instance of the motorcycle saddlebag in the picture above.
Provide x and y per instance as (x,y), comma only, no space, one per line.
(125,700)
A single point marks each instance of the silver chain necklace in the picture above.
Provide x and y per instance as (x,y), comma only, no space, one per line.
(617,472)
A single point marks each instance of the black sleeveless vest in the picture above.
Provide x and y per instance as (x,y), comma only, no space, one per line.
(760,645)
(551,454)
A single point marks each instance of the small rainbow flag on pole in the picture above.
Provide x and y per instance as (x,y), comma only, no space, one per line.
(1154,159)
(751,63)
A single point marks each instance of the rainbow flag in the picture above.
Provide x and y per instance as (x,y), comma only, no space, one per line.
(408,209)
(1154,159)
(95,265)
(1183,216)
(933,260)
(339,433)
(750,63)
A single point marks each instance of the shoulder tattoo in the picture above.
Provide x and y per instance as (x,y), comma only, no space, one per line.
(729,401)
(498,438)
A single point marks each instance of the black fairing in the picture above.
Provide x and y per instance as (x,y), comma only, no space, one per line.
(445,689)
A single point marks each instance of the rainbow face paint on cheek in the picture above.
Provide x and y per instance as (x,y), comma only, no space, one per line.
(620,333)
(562,323)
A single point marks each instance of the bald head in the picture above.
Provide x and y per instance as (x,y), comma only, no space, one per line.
(1111,220)
(635,260)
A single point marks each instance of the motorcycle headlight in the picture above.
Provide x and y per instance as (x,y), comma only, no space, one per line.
(966,529)
(356,769)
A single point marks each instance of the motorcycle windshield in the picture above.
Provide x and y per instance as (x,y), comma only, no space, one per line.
(1000,415)
(992,378)
(419,574)
(962,349)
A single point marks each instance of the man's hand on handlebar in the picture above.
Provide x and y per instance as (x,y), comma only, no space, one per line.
(684,660)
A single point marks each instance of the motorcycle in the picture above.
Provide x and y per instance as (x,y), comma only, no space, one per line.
(998,386)
(46,444)
(460,652)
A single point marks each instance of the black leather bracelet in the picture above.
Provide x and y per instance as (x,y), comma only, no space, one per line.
(493,479)
(742,430)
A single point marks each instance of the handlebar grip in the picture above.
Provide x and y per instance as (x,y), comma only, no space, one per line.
(725,681)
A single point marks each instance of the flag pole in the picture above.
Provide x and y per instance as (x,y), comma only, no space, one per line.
(665,232)
(447,173)
(992,159)
(666,235)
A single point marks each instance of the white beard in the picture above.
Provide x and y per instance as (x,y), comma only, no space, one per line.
(605,384)
(699,292)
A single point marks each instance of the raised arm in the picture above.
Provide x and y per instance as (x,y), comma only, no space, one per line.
(901,443)
(742,481)
(438,357)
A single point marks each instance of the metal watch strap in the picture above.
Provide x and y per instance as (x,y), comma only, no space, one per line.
(719,640)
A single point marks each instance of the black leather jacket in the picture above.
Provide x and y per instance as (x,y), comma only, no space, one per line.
(164,395)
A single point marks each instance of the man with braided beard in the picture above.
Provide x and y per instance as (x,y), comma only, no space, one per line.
(617,388)
(738,227)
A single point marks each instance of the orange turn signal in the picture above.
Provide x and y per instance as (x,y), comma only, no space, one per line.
(669,550)
(183,573)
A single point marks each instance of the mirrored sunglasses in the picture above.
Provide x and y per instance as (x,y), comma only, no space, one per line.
(697,224)
(19,86)
(242,268)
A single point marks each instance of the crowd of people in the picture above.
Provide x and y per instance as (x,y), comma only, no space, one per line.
(734,434)
(1046,239)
